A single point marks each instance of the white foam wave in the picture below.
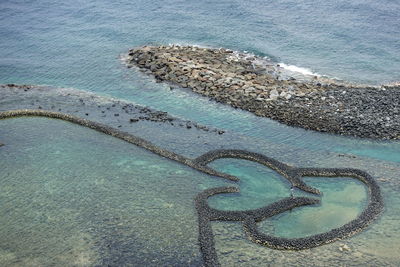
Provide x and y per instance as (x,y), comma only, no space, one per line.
(303,71)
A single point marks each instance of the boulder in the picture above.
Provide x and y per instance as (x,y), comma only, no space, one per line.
(273,94)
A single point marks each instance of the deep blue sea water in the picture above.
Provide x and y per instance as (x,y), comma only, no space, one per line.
(78,44)
(351,40)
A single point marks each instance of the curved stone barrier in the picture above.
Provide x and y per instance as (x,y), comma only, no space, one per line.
(249,218)
(281,168)
(118,134)
(207,214)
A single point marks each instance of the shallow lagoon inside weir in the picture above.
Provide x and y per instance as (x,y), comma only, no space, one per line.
(73,195)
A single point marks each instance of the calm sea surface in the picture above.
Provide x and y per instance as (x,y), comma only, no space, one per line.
(69,193)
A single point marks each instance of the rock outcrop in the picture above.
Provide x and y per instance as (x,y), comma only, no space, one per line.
(264,88)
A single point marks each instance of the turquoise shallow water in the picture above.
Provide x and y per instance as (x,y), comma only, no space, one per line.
(66,169)
(343,199)
(72,195)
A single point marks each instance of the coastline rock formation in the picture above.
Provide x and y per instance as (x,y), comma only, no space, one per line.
(262,87)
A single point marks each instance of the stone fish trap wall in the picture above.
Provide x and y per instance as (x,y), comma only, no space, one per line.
(249,218)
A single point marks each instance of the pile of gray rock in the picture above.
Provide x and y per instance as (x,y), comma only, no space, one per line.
(259,86)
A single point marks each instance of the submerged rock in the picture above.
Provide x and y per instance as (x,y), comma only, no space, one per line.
(95,107)
(344,248)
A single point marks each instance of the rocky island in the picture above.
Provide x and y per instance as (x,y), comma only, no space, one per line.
(265,89)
